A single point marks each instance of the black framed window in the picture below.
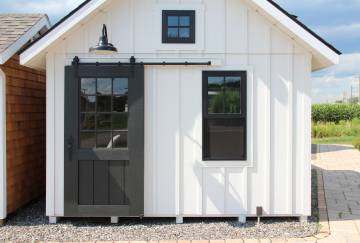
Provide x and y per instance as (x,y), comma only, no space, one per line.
(224,115)
(178,26)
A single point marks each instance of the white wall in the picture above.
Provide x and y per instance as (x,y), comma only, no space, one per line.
(3,200)
(177,181)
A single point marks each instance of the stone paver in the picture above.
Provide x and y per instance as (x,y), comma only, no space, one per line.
(340,165)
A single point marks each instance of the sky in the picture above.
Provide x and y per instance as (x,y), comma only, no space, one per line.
(337,21)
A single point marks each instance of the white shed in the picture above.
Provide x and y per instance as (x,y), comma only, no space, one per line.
(210,117)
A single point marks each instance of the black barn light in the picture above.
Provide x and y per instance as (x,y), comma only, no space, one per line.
(103,47)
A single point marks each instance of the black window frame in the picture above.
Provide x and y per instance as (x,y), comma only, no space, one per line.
(168,40)
(206,116)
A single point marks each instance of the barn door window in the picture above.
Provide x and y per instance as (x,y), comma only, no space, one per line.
(104,113)
(224,115)
(178,26)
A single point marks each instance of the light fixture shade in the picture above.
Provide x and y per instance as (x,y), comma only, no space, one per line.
(103,47)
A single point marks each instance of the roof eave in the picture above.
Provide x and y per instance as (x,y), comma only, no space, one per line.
(65,25)
(18,44)
(322,51)
(324,54)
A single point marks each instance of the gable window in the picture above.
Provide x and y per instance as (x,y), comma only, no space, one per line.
(224,115)
(178,26)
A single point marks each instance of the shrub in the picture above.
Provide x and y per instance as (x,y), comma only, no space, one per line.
(357,144)
(332,129)
(335,112)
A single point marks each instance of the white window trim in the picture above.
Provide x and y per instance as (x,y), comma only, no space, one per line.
(3,198)
(249,119)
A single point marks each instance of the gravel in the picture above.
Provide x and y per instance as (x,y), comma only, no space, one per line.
(30,224)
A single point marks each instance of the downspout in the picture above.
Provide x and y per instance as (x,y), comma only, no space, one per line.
(3,197)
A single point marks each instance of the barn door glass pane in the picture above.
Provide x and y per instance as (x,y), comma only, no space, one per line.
(88,86)
(88,103)
(104,113)
(104,86)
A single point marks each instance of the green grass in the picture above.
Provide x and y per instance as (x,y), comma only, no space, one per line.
(343,132)
(348,140)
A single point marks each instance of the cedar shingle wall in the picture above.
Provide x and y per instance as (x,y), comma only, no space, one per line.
(26,133)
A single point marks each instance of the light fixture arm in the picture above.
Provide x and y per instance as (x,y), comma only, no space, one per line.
(104,31)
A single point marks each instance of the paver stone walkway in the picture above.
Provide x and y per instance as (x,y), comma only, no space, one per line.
(341,174)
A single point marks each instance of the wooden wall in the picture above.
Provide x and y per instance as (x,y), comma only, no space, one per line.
(26,133)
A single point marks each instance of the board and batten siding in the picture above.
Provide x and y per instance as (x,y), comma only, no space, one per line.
(177,182)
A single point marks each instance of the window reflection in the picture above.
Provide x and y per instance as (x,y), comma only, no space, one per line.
(88,86)
(224,95)
(103,113)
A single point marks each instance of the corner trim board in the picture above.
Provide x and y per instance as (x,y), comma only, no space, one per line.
(3,178)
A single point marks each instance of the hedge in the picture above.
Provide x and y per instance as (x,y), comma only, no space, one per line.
(335,112)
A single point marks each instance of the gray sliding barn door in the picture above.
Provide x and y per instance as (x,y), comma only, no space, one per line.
(104,140)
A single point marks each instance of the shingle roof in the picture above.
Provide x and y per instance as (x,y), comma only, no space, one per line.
(13,26)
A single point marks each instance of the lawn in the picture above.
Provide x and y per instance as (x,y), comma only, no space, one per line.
(336,140)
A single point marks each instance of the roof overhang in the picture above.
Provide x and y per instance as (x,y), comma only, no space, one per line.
(17,45)
(324,55)
(34,56)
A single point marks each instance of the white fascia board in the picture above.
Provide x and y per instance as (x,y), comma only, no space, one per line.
(59,31)
(3,198)
(317,47)
(17,45)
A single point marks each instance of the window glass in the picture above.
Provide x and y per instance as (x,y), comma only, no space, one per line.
(173,32)
(224,117)
(184,32)
(173,21)
(103,103)
(215,94)
(226,138)
(224,95)
(121,86)
(87,140)
(120,104)
(120,139)
(103,140)
(120,121)
(232,95)
(88,86)
(87,122)
(104,113)
(184,21)
(88,103)
(103,121)
(104,86)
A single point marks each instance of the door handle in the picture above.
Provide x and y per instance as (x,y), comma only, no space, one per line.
(70,147)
